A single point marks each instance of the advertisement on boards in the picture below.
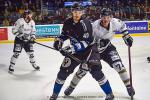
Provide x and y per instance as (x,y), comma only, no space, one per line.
(47,30)
(3,34)
(137,26)
(149,26)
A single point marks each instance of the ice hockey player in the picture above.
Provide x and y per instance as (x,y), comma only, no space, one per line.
(24,31)
(79,32)
(148,59)
(103,32)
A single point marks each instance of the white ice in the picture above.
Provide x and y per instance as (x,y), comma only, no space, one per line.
(27,84)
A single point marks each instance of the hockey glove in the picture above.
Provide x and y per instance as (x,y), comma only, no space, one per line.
(26,37)
(33,38)
(66,50)
(128,40)
(20,35)
(79,46)
(58,43)
(103,44)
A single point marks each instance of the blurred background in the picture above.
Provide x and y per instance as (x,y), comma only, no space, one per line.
(56,11)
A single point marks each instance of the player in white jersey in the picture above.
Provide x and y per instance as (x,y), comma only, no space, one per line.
(103,31)
(24,31)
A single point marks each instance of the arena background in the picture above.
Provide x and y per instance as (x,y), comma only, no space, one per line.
(49,15)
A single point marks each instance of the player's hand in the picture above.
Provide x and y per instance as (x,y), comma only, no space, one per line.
(128,40)
(20,35)
(66,50)
(33,38)
(79,46)
(26,37)
(104,42)
(58,43)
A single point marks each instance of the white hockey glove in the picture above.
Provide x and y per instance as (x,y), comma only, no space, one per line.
(75,48)
(67,50)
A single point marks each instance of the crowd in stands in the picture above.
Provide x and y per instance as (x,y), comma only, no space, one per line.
(54,11)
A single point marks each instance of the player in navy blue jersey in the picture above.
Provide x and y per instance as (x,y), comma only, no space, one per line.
(79,32)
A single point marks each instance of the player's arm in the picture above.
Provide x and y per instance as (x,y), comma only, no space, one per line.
(88,32)
(58,42)
(126,37)
(80,46)
(87,39)
(33,31)
(16,29)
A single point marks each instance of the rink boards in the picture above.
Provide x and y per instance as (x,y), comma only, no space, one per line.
(48,32)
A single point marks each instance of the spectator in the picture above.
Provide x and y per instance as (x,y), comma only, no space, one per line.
(14,16)
(55,12)
(6,22)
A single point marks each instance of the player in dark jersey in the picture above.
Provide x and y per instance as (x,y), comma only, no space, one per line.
(79,31)
(148,59)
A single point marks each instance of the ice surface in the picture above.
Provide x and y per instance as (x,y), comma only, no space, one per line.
(27,84)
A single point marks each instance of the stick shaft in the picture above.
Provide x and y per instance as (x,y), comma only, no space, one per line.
(130,68)
(69,55)
(45,45)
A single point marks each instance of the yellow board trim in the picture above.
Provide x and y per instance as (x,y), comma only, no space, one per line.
(38,40)
(149,25)
(135,35)
(52,39)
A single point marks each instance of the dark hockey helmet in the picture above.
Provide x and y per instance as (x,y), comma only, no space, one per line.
(77,6)
(105,12)
(27,12)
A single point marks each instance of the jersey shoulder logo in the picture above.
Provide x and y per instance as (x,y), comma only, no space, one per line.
(86,35)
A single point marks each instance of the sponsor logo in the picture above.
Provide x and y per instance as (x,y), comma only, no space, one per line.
(47,30)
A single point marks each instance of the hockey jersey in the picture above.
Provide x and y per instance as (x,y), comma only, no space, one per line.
(21,26)
(99,32)
(78,33)
(106,35)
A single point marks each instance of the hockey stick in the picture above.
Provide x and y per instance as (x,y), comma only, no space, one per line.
(67,54)
(130,69)
(44,45)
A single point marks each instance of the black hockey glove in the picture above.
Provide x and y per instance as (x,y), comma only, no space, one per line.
(128,40)
(26,37)
(32,39)
(58,43)
(20,35)
(104,42)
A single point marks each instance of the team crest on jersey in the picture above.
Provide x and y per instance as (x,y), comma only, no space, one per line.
(66,62)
